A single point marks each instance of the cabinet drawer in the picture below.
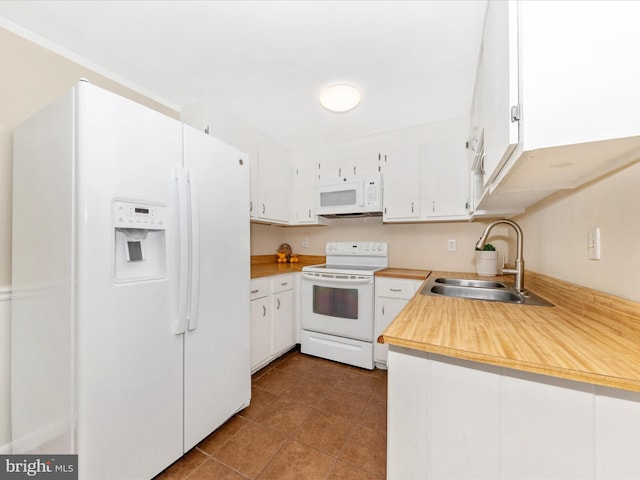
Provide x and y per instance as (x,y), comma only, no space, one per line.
(280,283)
(396,288)
(259,287)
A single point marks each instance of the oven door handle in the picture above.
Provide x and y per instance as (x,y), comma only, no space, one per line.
(332,279)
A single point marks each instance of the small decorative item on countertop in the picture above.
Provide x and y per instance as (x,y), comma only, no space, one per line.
(487,261)
(285,254)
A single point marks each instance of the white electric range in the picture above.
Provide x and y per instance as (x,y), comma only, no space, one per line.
(337,302)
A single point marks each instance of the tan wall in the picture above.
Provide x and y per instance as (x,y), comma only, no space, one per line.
(31,78)
(556,234)
(410,245)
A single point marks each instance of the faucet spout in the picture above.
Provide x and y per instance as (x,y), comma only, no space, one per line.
(518,271)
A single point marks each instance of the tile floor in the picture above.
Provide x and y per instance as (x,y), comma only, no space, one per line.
(309,419)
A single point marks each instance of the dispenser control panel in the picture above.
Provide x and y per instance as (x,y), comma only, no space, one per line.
(137,215)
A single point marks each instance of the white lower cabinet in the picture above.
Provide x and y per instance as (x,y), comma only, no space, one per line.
(451,418)
(260,322)
(392,294)
(272,318)
(282,313)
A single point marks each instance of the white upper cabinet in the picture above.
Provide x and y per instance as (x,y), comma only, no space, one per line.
(304,172)
(578,114)
(348,161)
(401,183)
(445,179)
(499,86)
(273,187)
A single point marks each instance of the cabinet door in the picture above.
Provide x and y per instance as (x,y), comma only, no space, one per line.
(274,186)
(446,179)
(391,296)
(282,321)
(260,332)
(401,183)
(348,161)
(500,86)
(302,196)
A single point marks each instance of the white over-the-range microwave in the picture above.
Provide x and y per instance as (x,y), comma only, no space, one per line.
(357,196)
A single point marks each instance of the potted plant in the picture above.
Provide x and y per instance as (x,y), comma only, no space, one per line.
(487,261)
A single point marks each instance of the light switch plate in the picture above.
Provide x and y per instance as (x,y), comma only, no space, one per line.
(452,245)
(593,243)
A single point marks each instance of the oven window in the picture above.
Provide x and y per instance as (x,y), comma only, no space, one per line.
(335,302)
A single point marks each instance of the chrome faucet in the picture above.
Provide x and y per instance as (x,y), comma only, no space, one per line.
(519,262)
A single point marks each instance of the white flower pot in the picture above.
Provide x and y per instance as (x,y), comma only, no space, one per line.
(487,262)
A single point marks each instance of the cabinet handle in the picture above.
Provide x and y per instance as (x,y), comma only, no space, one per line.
(309,213)
(255,291)
(263,208)
(278,305)
(340,172)
(284,283)
(433,207)
(411,207)
(264,311)
(395,289)
(354,169)
(250,207)
(382,309)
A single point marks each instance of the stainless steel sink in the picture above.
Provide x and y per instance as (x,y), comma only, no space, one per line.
(464,282)
(480,290)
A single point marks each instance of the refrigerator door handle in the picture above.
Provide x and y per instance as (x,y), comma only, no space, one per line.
(183,219)
(194,231)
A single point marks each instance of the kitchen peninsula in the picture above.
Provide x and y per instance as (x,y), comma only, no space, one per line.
(491,390)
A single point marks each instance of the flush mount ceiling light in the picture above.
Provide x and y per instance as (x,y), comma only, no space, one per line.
(340,98)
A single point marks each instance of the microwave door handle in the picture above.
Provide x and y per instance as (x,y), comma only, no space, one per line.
(362,191)
(349,281)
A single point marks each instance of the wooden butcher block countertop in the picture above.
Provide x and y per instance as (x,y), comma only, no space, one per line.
(586,336)
(405,273)
(265,265)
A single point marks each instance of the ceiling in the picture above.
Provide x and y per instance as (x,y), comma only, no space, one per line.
(265,62)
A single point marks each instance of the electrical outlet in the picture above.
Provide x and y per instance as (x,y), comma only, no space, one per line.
(593,243)
(305,243)
(452,245)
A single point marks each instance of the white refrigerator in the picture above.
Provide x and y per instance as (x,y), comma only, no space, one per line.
(130,313)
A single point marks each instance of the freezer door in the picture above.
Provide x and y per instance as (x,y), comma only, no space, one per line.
(129,357)
(217,371)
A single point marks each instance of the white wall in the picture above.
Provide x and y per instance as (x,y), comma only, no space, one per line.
(5,370)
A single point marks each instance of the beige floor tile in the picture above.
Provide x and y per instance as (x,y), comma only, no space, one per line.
(261,402)
(183,467)
(325,431)
(374,415)
(214,470)
(296,461)
(367,450)
(341,402)
(222,435)
(357,383)
(276,381)
(285,415)
(343,471)
(251,449)
(309,419)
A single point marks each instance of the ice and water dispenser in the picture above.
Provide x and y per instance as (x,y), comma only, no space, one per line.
(139,249)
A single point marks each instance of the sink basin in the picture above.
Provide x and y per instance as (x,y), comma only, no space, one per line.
(463,282)
(478,293)
(480,290)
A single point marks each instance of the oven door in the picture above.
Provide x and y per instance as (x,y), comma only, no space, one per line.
(337,304)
